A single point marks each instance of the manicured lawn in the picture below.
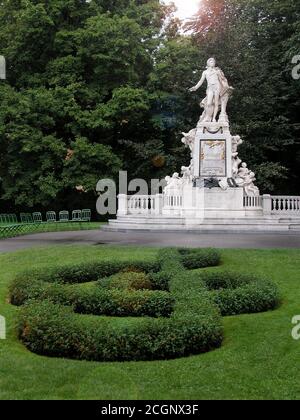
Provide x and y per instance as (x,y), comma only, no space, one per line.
(258,359)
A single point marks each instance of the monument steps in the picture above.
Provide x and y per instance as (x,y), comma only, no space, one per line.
(152,223)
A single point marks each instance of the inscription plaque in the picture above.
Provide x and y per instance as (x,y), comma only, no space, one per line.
(213,158)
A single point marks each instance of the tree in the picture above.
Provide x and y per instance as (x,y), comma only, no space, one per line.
(76,77)
(95,87)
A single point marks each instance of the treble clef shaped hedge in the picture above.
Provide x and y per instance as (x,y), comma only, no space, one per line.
(135,310)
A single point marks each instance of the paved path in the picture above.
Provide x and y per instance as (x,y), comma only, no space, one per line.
(94,237)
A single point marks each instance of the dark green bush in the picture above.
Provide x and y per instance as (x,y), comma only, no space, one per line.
(98,301)
(90,271)
(160,281)
(53,330)
(48,329)
(216,279)
(240,293)
(184,307)
(193,325)
(199,258)
(116,302)
(259,296)
(23,288)
(130,280)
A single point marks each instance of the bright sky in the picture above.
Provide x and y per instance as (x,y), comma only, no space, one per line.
(186,8)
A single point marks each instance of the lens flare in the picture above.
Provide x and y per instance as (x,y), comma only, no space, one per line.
(186,8)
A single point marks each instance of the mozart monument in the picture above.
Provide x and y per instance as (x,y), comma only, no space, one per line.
(216,190)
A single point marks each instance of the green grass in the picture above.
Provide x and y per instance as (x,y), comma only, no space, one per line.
(258,359)
(47,227)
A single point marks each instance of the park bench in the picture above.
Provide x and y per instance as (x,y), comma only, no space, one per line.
(8,218)
(26,218)
(10,226)
(64,216)
(51,217)
(86,215)
(76,216)
(37,217)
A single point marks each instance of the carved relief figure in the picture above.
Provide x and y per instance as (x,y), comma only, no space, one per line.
(236,142)
(235,166)
(243,171)
(250,188)
(236,161)
(173,183)
(187,175)
(246,178)
(189,139)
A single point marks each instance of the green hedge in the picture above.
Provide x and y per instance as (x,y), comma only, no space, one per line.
(28,285)
(238,293)
(54,330)
(127,280)
(199,258)
(161,280)
(180,316)
(51,328)
(94,300)
(90,271)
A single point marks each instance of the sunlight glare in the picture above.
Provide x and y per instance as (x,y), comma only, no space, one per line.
(186,8)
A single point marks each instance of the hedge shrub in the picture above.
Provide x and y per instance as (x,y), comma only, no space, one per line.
(95,300)
(180,316)
(188,320)
(90,271)
(199,258)
(54,330)
(240,293)
(130,280)
(27,285)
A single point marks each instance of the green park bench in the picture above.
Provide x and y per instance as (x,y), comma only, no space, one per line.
(76,216)
(8,218)
(26,218)
(51,217)
(86,215)
(64,216)
(37,217)
(10,227)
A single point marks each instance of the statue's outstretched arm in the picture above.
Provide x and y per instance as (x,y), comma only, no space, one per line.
(199,84)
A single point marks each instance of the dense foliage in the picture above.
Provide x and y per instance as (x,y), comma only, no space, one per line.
(188,322)
(143,320)
(236,293)
(95,87)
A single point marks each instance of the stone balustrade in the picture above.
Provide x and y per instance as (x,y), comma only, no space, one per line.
(154,204)
(253,202)
(173,201)
(140,204)
(285,205)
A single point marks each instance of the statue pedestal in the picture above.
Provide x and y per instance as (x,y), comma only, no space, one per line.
(204,203)
(212,153)
(218,203)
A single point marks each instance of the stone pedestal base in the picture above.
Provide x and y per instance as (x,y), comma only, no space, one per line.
(203,203)
(223,204)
